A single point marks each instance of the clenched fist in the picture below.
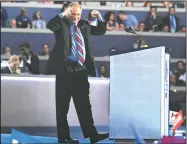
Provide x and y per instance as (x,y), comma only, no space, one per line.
(95,14)
(67,11)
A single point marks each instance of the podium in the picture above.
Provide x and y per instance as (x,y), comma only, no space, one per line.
(139,93)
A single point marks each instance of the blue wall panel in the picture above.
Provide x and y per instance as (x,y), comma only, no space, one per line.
(100,44)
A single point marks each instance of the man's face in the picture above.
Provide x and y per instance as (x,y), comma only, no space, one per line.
(172,11)
(14,63)
(24,51)
(121,27)
(166,4)
(45,49)
(75,15)
(149,4)
(142,26)
(166,29)
(153,11)
(102,71)
(122,17)
(25,13)
(7,51)
(129,4)
(180,66)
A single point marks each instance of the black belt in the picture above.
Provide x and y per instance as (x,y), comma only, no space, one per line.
(72,66)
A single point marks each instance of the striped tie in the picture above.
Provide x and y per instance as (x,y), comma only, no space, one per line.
(79,44)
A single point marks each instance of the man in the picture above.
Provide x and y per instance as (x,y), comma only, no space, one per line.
(102,71)
(71,62)
(172,20)
(22,20)
(14,66)
(7,51)
(45,50)
(153,21)
(29,61)
(165,28)
(128,20)
(121,27)
(141,27)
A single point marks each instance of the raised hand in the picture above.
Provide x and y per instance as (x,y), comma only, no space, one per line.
(95,14)
(67,11)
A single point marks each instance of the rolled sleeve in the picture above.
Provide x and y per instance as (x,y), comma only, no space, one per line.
(100,19)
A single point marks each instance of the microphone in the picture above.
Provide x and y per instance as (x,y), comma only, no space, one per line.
(142,42)
(130,30)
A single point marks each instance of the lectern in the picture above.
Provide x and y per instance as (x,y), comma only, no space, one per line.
(139,93)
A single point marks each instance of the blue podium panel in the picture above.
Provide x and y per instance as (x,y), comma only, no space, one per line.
(138,94)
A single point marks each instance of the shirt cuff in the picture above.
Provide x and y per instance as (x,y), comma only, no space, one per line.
(100,19)
(61,15)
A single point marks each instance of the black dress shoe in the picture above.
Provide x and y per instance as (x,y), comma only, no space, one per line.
(98,137)
(69,140)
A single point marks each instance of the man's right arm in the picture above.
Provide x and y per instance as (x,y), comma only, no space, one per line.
(54,24)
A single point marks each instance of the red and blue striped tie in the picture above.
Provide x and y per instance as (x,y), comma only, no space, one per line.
(79,44)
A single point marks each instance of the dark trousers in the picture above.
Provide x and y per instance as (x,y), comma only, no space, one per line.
(73,84)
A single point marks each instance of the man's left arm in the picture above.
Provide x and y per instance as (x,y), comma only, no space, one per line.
(100,28)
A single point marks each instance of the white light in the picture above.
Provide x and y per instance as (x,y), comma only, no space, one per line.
(99,80)
(42,78)
(27,78)
(4,63)
(14,141)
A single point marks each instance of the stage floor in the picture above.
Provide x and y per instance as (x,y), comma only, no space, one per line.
(7,138)
(48,135)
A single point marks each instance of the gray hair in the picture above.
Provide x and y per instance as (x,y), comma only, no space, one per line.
(74,4)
